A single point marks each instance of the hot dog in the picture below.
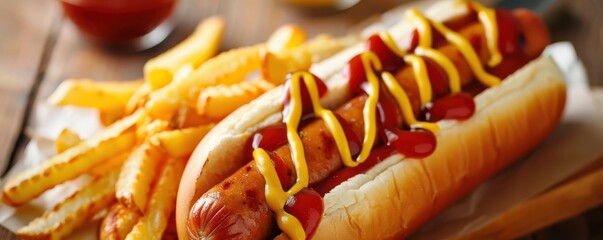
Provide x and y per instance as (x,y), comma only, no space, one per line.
(218,201)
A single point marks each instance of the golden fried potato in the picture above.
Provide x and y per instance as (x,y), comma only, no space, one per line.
(149,127)
(227,68)
(109,116)
(187,117)
(118,223)
(109,165)
(219,101)
(161,204)
(181,142)
(66,140)
(286,37)
(277,64)
(201,45)
(74,211)
(72,163)
(136,177)
(325,45)
(275,67)
(101,95)
(138,98)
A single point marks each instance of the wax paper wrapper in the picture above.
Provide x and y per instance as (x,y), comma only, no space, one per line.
(47,124)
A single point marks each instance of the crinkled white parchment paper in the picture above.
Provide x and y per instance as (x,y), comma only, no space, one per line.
(47,124)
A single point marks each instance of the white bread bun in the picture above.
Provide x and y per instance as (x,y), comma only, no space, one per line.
(220,152)
(399,195)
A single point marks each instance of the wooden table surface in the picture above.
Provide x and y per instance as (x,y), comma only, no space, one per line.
(39,48)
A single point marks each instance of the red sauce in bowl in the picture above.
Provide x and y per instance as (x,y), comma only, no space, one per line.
(117,21)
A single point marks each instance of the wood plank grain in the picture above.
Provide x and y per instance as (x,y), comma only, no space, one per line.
(26,26)
(581,22)
(252,21)
(6,234)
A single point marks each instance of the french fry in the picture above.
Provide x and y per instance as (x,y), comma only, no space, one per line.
(286,37)
(219,101)
(139,98)
(74,211)
(202,44)
(118,222)
(70,164)
(183,72)
(325,45)
(66,140)
(187,117)
(276,65)
(94,94)
(227,68)
(136,177)
(162,203)
(109,165)
(181,142)
(109,116)
(149,127)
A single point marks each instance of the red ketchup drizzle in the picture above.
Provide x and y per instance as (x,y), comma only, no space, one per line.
(437,78)
(389,118)
(281,170)
(413,144)
(307,109)
(377,155)
(356,75)
(508,33)
(509,45)
(459,106)
(307,206)
(354,142)
(414,41)
(420,143)
(389,59)
(438,40)
(512,63)
(387,115)
(269,139)
(455,24)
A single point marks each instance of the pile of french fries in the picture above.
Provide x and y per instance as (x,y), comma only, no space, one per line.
(152,127)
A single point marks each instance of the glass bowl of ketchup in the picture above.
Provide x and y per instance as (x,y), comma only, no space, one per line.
(123,24)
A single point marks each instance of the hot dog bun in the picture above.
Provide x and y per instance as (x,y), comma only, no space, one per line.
(511,119)
(398,195)
(219,154)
